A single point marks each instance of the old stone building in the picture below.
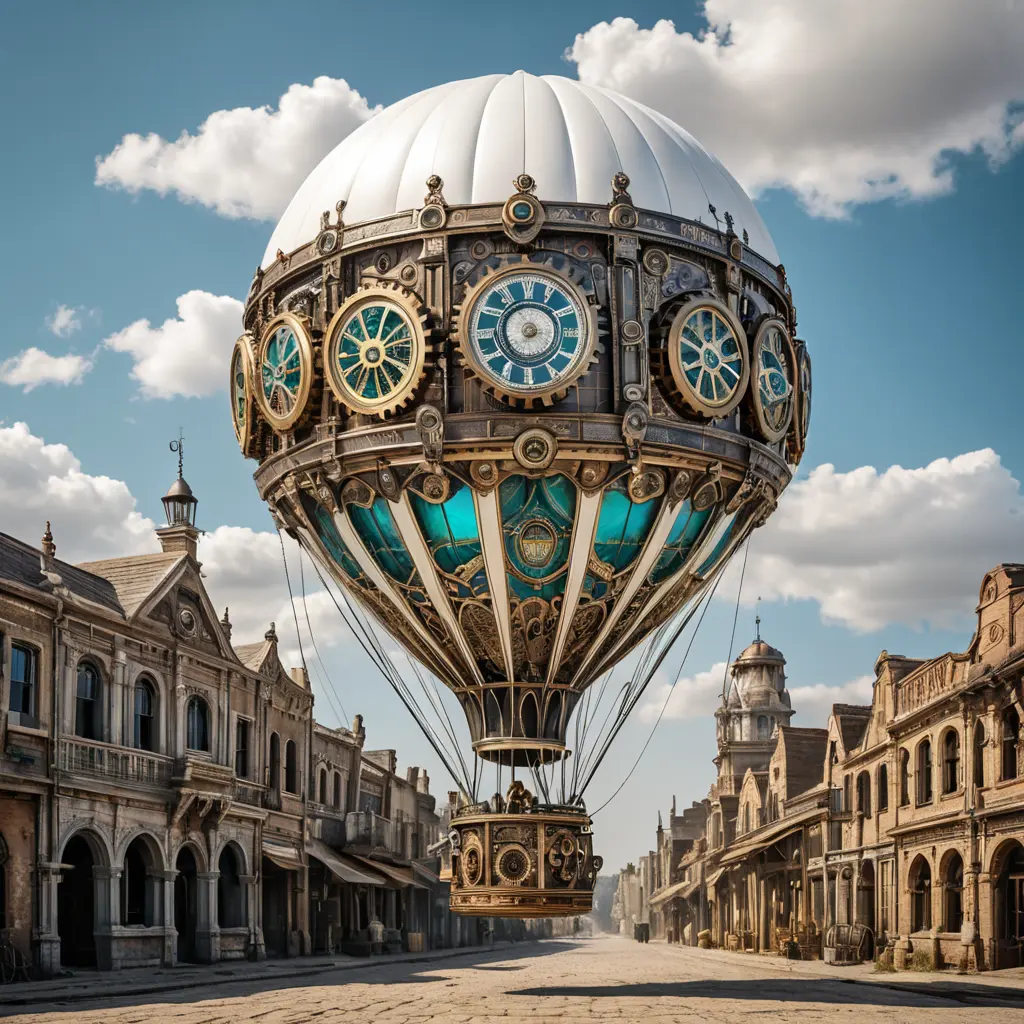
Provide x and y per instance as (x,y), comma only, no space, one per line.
(167,797)
(899,826)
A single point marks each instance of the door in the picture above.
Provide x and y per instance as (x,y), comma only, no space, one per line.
(186,905)
(76,903)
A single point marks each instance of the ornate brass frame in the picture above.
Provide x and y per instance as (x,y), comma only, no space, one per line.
(771,434)
(675,378)
(414,313)
(243,352)
(301,406)
(588,349)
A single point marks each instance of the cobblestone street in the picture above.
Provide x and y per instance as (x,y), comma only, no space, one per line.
(606,979)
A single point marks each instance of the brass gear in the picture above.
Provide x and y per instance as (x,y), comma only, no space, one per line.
(460,333)
(370,355)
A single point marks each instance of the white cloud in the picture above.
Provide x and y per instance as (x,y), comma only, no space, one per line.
(903,546)
(694,696)
(844,102)
(187,355)
(243,162)
(91,516)
(698,696)
(64,321)
(32,367)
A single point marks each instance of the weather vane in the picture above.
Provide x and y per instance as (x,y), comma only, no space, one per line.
(757,622)
(179,447)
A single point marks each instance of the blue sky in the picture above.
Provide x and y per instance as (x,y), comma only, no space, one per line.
(911,306)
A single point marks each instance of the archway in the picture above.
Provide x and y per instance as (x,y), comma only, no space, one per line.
(275,907)
(141,884)
(1008,908)
(76,903)
(230,891)
(920,887)
(952,871)
(186,904)
(866,896)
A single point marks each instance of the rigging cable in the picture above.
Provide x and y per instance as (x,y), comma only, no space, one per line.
(330,688)
(735,617)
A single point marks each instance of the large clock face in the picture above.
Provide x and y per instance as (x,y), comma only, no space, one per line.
(284,372)
(528,333)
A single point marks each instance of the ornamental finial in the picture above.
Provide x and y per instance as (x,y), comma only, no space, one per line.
(525,183)
(179,447)
(49,548)
(620,188)
(434,195)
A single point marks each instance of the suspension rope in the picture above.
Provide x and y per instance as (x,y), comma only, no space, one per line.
(735,617)
(330,688)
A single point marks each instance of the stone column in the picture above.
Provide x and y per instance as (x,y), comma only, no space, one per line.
(46,936)
(107,913)
(302,910)
(763,922)
(169,956)
(256,948)
(120,715)
(207,929)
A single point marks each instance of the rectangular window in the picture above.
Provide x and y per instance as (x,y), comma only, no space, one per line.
(242,748)
(885,896)
(23,679)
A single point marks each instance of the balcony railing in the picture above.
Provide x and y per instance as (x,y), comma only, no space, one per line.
(247,793)
(366,829)
(119,764)
(323,810)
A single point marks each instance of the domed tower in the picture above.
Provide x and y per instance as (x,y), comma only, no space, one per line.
(520,370)
(755,701)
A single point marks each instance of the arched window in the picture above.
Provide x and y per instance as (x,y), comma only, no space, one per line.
(87,702)
(230,902)
(764,729)
(290,763)
(143,733)
(1011,737)
(951,761)
(197,718)
(882,788)
(141,884)
(746,818)
(952,894)
(847,793)
(979,754)
(924,771)
(323,785)
(920,896)
(336,803)
(864,794)
(275,762)
(904,777)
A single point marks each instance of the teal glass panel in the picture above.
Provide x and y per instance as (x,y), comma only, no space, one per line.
(537,519)
(622,526)
(685,532)
(327,531)
(378,532)
(453,537)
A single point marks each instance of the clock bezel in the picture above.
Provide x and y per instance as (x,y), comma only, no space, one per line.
(769,432)
(682,388)
(506,390)
(243,350)
(305,344)
(414,314)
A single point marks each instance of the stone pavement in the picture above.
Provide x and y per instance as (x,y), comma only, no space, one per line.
(605,979)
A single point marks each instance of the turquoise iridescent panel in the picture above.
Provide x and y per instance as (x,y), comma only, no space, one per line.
(281,371)
(453,537)
(327,531)
(685,533)
(736,522)
(623,526)
(378,532)
(537,519)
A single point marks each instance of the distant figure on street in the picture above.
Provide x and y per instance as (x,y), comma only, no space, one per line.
(376,935)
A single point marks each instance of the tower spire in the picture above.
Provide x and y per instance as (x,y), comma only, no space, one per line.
(757,623)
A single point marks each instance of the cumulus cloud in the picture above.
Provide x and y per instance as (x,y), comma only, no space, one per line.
(186,355)
(65,321)
(32,367)
(845,102)
(243,162)
(91,516)
(699,695)
(903,546)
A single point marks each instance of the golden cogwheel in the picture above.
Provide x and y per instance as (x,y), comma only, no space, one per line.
(376,350)
(284,371)
(527,332)
(240,388)
(704,360)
